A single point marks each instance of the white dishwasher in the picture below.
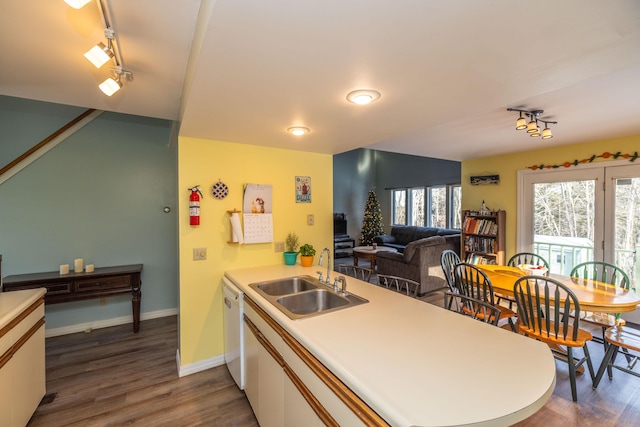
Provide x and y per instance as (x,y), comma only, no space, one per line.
(234,331)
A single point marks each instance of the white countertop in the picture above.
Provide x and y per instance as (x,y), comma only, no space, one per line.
(15,302)
(417,364)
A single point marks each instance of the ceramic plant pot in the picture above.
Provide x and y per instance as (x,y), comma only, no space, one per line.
(290,258)
(306,260)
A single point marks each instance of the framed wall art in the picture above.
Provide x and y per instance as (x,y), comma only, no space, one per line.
(303,189)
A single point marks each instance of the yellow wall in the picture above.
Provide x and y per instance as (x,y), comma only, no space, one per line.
(503,196)
(203,162)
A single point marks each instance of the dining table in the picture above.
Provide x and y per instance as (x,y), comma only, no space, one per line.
(592,295)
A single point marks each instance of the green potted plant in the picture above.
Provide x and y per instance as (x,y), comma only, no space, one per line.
(307,252)
(291,244)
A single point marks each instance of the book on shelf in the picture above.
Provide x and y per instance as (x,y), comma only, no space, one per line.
(474,258)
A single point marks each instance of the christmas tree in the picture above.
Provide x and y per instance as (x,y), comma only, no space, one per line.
(372,222)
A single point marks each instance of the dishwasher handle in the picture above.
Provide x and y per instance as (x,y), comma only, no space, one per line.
(231,293)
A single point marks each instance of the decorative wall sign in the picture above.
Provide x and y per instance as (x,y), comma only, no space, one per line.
(220,190)
(485,179)
(303,189)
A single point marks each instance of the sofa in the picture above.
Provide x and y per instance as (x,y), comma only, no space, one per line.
(419,259)
(402,235)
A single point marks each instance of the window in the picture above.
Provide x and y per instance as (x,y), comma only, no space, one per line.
(399,208)
(438,206)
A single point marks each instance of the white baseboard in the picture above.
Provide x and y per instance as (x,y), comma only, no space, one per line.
(123,320)
(202,365)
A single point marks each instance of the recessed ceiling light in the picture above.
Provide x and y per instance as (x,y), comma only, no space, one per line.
(363,96)
(298,130)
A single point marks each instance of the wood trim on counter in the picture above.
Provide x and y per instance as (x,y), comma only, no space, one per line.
(341,390)
(315,404)
(264,341)
(4,359)
(21,317)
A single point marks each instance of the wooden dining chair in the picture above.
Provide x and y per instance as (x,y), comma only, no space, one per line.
(399,284)
(618,337)
(544,313)
(361,273)
(515,261)
(448,260)
(472,282)
(472,307)
(527,258)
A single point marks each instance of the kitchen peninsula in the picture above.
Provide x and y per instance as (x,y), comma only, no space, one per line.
(407,362)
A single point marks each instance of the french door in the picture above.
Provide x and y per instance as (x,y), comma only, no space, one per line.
(582,214)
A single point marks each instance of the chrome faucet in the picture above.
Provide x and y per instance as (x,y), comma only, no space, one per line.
(327,280)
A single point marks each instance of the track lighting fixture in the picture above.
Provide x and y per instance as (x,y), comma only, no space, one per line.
(532,126)
(100,54)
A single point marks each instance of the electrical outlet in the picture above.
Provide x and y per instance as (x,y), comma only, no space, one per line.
(278,246)
(199,254)
(103,301)
(310,219)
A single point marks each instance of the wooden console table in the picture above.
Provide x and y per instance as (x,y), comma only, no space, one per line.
(103,282)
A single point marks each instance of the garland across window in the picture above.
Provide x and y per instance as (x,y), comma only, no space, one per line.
(605,155)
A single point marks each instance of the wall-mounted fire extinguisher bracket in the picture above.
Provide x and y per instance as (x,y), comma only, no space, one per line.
(194,205)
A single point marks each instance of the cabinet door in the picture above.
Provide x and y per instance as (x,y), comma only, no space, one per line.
(270,390)
(297,412)
(29,379)
(6,393)
(251,349)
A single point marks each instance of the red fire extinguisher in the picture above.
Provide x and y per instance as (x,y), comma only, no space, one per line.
(194,205)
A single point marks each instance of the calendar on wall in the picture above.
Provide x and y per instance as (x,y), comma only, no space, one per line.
(257,213)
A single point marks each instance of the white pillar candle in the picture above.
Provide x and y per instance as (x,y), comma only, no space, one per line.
(78,264)
(64,268)
(89,268)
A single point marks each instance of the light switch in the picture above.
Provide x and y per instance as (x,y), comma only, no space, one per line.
(199,254)
(310,219)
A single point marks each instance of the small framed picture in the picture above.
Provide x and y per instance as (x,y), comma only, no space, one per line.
(303,189)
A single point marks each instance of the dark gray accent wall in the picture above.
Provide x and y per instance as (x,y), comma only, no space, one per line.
(356,172)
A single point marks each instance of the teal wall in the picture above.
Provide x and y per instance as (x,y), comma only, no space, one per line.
(99,195)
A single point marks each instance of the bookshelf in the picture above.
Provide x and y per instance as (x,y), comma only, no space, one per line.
(483,239)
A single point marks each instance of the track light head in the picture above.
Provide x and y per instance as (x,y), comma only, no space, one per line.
(77,4)
(99,55)
(546,133)
(521,123)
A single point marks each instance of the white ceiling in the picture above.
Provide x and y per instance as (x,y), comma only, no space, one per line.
(245,70)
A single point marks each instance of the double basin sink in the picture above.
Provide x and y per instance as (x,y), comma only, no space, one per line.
(305,296)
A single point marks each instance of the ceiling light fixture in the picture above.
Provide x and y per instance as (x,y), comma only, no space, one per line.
(101,54)
(77,4)
(532,126)
(363,96)
(298,130)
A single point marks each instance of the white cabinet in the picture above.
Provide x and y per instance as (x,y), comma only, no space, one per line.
(264,380)
(22,356)
(287,386)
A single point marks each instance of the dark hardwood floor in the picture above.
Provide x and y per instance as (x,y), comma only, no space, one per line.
(114,377)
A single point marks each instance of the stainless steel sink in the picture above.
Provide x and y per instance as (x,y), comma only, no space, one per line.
(305,296)
(291,285)
(312,302)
